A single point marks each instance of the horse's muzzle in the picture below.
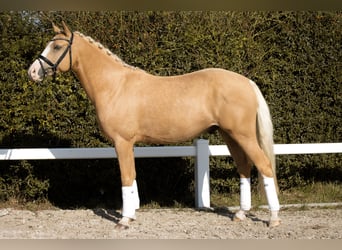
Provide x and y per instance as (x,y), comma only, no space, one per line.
(35,72)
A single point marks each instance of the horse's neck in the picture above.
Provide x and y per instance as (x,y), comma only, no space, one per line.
(96,68)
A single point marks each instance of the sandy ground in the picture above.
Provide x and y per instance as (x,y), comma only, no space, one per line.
(313,223)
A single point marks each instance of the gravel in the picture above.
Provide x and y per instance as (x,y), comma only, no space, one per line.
(312,223)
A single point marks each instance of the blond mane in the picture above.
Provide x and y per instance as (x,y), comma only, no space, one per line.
(105,50)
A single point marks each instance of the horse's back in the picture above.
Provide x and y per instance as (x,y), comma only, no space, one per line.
(214,84)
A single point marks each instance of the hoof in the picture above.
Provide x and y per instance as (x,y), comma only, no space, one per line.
(274,223)
(120,226)
(237,219)
(239,216)
(123,224)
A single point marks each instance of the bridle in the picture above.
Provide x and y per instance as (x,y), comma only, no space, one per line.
(53,66)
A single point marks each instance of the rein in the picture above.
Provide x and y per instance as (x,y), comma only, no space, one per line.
(53,66)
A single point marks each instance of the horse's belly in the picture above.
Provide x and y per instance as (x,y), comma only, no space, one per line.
(175,129)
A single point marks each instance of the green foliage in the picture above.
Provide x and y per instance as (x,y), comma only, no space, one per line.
(294,57)
(19,181)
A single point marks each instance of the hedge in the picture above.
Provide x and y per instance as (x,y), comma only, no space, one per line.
(294,57)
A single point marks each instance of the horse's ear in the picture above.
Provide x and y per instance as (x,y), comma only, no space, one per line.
(56,29)
(66,29)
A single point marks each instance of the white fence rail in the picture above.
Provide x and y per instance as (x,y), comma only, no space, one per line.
(201,150)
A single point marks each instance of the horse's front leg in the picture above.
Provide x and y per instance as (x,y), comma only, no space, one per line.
(130,196)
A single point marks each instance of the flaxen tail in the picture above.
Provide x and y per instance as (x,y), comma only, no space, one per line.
(265,131)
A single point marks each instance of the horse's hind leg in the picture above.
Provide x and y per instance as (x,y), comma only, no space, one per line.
(244,166)
(248,142)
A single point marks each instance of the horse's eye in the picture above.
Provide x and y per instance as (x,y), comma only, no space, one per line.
(57,47)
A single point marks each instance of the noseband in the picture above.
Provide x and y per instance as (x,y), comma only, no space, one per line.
(53,66)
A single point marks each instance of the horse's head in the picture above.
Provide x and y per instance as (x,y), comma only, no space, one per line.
(55,57)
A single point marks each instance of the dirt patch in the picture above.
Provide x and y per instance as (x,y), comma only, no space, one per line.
(169,224)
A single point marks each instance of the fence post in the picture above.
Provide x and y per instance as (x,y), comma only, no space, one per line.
(202,190)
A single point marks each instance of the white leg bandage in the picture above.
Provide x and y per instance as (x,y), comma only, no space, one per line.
(245,198)
(130,200)
(136,193)
(271,194)
(245,194)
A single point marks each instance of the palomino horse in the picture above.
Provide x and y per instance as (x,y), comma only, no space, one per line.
(170,109)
